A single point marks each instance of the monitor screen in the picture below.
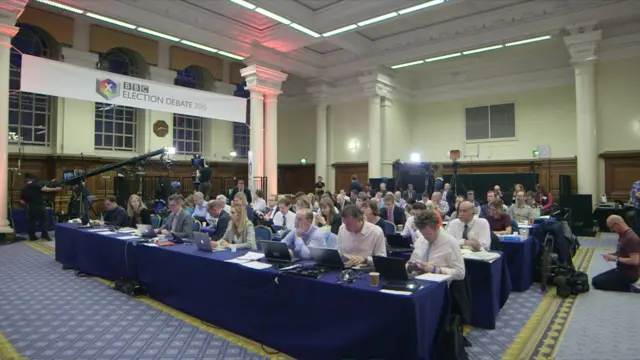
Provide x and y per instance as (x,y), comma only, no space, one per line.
(67,174)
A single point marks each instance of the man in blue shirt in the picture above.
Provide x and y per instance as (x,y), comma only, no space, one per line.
(355,185)
(305,235)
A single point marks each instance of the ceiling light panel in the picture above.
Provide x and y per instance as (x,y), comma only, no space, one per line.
(340,30)
(273,16)
(378,19)
(428,4)
(111,21)
(61,6)
(199,46)
(158,34)
(488,48)
(527,41)
(245,4)
(305,30)
(442,57)
(400,66)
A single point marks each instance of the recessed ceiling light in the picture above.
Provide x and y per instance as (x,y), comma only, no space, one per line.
(111,21)
(61,6)
(442,57)
(199,46)
(341,30)
(528,40)
(273,16)
(158,34)
(305,30)
(407,64)
(489,48)
(378,18)
(420,6)
(244,4)
(233,56)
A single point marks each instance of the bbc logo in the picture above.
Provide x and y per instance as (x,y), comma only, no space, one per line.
(136,87)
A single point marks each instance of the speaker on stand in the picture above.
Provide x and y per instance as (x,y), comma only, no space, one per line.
(565,191)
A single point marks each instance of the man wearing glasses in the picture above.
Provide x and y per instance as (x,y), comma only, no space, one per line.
(179,222)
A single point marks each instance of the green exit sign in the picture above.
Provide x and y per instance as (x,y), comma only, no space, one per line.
(534,153)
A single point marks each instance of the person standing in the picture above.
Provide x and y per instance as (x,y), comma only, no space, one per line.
(320,186)
(31,196)
(204,178)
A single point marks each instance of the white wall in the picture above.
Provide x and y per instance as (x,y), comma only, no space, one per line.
(349,124)
(296,135)
(398,123)
(543,117)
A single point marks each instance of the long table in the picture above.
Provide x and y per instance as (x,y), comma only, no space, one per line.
(302,317)
(520,256)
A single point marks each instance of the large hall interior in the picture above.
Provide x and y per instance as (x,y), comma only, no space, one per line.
(319,179)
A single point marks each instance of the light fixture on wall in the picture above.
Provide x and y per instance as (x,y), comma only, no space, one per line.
(303,161)
(415,157)
(233,153)
(353,145)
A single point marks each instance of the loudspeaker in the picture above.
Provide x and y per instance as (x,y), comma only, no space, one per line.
(565,191)
(581,214)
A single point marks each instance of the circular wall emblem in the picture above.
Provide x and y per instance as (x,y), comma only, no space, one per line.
(160,128)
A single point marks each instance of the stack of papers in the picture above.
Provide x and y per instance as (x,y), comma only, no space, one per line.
(395,292)
(106,233)
(256,265)
(434,277)
(97,229)
(248,257)
(129,237)
(482,256)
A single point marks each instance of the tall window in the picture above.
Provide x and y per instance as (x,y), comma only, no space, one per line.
(116,125)
(29,113)
(491,122)
(241,131)
(187,129)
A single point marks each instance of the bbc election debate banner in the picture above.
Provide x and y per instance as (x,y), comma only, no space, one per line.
(55,78)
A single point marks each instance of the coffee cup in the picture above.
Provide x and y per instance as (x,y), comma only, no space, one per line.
(374,278)
(524,232)
(162,237)
(233,247)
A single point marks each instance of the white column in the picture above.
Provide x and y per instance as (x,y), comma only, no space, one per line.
(321,140)
(271,142)
(7,32)
(387,141)
(330,170)
(375,138)
(582,47)
(256,141)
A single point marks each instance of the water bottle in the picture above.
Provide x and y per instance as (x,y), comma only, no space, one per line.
(603,198)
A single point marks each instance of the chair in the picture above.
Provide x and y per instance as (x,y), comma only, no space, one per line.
(262,233)
(389,228)
(155,221)
(331,240)
(196,226)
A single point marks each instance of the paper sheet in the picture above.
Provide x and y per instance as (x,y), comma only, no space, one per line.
(251,256)
(256,265)
(482,256)
(128,237)
(434,277)
(127,231)
(106,233)
(238,261)
(395,292)
(151,244)
(96,230)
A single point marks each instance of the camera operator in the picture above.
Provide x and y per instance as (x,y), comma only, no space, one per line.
(204,179)
(31,196)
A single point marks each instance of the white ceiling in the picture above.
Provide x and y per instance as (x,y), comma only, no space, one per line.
(455,25)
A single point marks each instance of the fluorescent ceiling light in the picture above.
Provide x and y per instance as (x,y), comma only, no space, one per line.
(61,6)
(233,56)
(481,50)
(305,30)
(421,6)
(341,30)
(111,21)
(275,17)
(158,34)
(244,4)
(407,64)
(378,18)
(199,46)
(442,57)
(528,41)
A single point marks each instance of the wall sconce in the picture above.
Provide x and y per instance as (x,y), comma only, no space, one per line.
(233,153)
(415,157)
(303,161)
(353,145)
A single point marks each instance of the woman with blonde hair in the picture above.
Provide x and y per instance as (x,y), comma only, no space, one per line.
(137,211)
(240,231)
(327,216)
(240,199)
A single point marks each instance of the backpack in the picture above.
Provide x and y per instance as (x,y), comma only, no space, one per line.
(572,283)
(453,348)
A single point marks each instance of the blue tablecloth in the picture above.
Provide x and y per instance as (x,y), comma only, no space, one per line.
(104,256)
(21,222)
(305,318)
(519,256)
(490,287)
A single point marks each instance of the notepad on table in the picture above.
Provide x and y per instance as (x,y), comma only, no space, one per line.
(482,256)
(256,265)
(395,292)
(96,230)
(433,277)
(106,233)
(128,237)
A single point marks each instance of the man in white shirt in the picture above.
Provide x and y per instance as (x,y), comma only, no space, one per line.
(409,229)
(271,210)
(441,206)
(468,230)
(436,251)
(284,218)
(259,203)
(223,199)
(358,240)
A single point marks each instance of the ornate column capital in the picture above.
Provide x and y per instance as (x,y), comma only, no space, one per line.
(582,42)
(80,58)
(263,79)
(320,92)
(387,102)
(165,76)
(377,84)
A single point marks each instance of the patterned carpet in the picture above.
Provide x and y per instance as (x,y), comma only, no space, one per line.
(47,314)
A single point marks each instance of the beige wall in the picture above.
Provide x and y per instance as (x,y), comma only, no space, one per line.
(296,135)
(350,124)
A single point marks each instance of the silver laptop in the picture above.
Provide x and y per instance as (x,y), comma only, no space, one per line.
(146,230)
(203,242)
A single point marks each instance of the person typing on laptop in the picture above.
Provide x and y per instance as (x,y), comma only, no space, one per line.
(304,235)
(179,222)
(359,240)
(435,251)
(218,217)
(240,231)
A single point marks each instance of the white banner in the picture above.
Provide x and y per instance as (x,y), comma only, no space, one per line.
(55,78)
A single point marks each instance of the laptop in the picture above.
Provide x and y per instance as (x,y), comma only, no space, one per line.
(277,252)
(146,231)
(394,270)
(328,258)
(399,243)
(203,242)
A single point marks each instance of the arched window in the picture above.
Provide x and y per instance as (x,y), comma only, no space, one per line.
(187,129)
(29,113)
(241,131)
(116,125)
